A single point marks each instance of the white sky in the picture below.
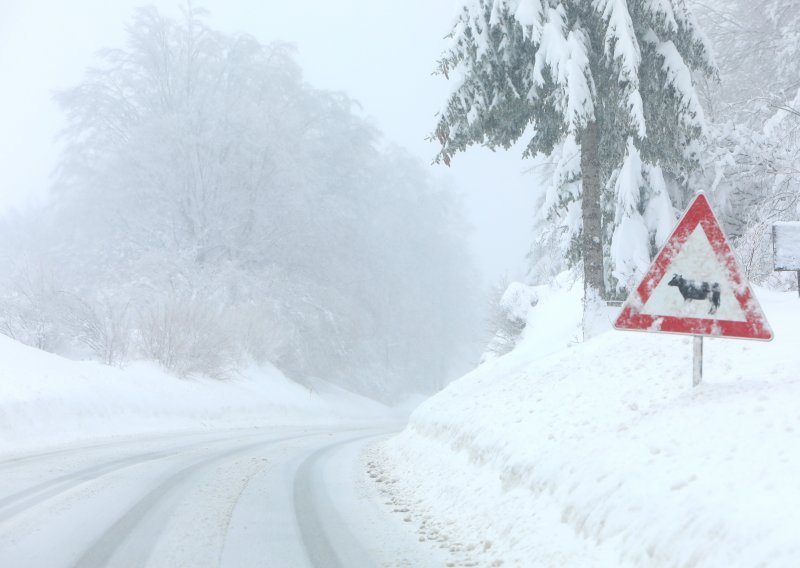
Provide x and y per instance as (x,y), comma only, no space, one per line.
(380,52)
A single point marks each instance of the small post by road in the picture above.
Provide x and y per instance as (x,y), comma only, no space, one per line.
(698,360)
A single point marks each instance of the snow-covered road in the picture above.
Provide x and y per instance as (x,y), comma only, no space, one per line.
(277,497)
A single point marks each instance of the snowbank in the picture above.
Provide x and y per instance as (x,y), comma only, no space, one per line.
(602,454)
(46,400)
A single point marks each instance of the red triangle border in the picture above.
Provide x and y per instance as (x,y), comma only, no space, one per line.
(700,213)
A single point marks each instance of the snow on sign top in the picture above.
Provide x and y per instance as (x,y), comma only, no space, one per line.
(695,285)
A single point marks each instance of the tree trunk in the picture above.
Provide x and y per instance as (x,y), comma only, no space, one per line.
(592,246)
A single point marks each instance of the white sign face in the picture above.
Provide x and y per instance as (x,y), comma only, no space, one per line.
(697,270)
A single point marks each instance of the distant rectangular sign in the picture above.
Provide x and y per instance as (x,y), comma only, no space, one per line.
(786,245)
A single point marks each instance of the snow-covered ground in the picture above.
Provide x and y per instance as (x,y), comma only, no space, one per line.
(277,497)
(103,467)
(602,454)
(46,400)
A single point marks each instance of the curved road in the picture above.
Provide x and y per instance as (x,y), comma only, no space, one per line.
(278,497)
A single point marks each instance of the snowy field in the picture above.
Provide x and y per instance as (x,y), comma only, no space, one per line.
(602,453)
(47,401)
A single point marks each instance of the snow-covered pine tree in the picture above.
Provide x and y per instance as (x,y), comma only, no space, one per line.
(610,77)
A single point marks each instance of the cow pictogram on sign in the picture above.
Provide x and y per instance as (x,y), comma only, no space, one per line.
(695,285)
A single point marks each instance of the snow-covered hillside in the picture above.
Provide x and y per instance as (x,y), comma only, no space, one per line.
(46,400)
(602,454)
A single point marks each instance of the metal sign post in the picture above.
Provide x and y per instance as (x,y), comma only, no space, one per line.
(697,377)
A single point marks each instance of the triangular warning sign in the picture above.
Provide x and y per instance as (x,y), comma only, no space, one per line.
(695,285)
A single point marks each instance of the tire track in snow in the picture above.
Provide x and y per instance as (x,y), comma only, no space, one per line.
(17,460)
(320,524)
(136,530)
(141,526)
(14,504)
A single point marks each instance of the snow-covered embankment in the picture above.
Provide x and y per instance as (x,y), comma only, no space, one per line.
(47,401)
(602,453)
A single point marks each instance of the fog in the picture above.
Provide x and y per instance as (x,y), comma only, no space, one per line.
(292,217)
(379,53)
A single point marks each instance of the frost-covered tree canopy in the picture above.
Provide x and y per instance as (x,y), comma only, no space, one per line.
(214,209)
(549,71)
(750,164)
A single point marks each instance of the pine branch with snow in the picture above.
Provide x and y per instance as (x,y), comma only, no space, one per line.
(608,77)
